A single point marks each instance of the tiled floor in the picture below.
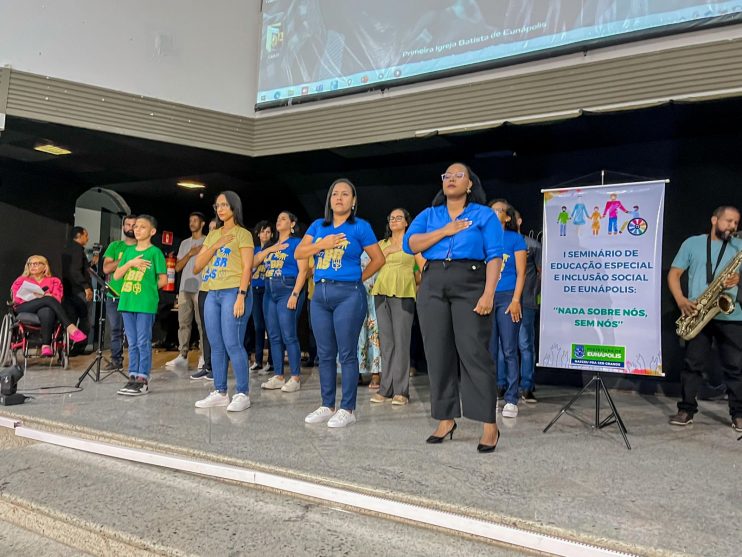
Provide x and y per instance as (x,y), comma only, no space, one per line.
(678,489)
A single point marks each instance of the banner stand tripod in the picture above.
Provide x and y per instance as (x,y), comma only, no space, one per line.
(613,418)
(103,288)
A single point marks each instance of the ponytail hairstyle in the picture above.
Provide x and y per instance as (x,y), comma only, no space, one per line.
(407,219)
(294,223)
(512,224)
(328,202)
(476,195)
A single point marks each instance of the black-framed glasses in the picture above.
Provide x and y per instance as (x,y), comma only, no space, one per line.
(449,175)
(396,219)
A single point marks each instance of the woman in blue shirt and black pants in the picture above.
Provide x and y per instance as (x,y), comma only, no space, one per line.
(339,302)
(462,241)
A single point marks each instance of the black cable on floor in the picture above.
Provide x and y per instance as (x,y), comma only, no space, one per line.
(43,390)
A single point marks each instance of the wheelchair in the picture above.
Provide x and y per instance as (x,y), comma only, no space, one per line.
(20,340)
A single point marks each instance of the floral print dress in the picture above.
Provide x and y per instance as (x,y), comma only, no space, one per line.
(369,347)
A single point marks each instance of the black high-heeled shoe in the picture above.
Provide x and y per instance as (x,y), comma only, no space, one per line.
(434,439)
(489,448)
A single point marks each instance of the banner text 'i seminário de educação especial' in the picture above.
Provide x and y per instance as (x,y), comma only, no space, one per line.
(601,278)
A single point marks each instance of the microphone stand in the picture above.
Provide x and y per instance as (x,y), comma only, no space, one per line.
(103,288)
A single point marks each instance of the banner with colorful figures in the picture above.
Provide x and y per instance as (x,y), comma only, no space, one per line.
(602,279)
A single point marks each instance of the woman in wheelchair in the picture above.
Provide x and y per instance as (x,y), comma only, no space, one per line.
(42,295)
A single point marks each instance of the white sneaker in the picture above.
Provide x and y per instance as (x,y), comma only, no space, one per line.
(291,386)
(510,410)
(179,362)
(240,402)
(322,414)
(214,399)
(273,383)
(342,418)
(256,366)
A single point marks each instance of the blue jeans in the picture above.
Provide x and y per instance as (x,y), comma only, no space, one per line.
(505,336)
(562,229)
(527,346)
(116,326)
(139,334)
(613,225)
(259,320)
(312,349)
(226,336)
(282,323)
(338,312)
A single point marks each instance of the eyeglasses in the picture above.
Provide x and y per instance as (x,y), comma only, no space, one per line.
(396,219)
(32,263)
(449,175)
(218,206)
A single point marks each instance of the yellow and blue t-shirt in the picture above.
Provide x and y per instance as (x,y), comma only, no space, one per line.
(258,275)
(282,263)
(139,292)
(512,243)
(225,267)
(342,263)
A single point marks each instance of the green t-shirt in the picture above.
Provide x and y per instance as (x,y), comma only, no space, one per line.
(115,251)
(139,289)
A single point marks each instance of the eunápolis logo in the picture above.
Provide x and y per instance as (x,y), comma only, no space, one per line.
(598,355)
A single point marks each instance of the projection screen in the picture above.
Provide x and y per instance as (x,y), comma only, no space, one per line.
(318,48)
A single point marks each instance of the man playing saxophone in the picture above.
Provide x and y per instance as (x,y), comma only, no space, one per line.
(706,257)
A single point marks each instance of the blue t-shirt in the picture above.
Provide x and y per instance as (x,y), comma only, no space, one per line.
(512,242)
(482,241)
(342,263)
(282,263)
(258,276)
(692,256)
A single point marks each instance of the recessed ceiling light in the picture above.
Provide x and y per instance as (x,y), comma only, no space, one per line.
(191,185)
(52,149)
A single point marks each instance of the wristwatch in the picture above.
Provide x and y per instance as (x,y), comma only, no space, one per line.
(295,294)
(243,292)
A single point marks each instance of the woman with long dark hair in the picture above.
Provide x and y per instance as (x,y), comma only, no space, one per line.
(394,297)
(461,240)
(508,311)
(339,302)
(285,276)
(228,251)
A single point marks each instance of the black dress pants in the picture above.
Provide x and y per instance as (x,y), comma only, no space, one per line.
(77,309)
(456,341)
(728,336)
(49,311)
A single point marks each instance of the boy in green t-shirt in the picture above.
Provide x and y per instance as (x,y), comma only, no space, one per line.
(115,320)
(142,268)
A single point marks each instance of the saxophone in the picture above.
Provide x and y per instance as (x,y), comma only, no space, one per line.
(710,303)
